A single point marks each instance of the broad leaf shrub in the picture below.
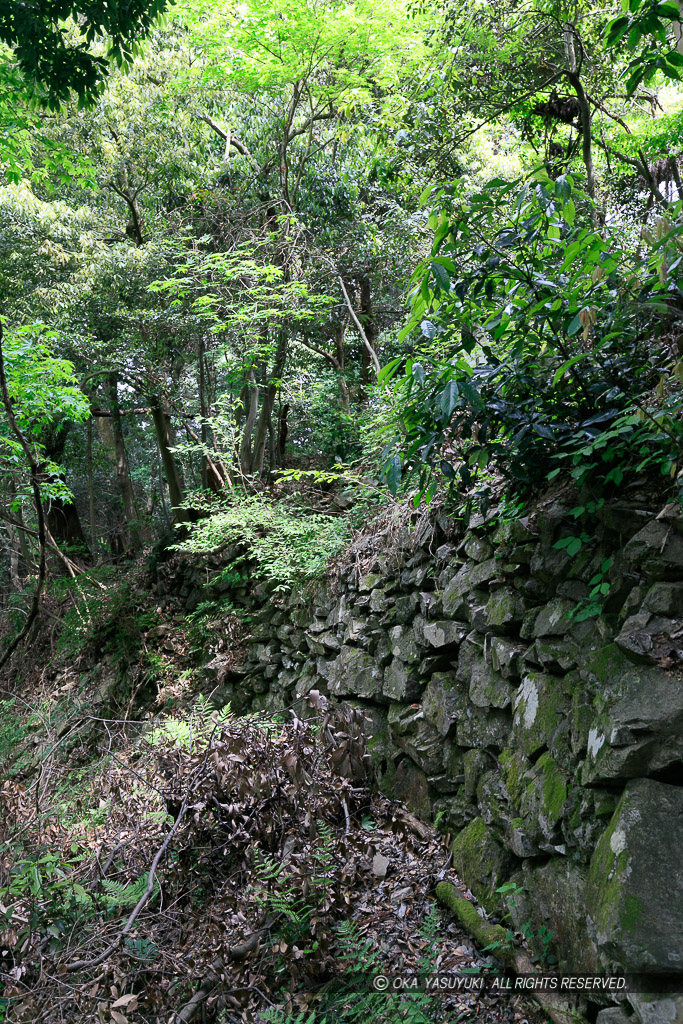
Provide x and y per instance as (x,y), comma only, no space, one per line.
(284,542)
(540,343)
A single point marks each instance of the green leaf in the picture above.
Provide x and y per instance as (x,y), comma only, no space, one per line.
(574,325)
(448,399)
(563,188)
(569,212)
(388,371)
(560,372)
(440,275)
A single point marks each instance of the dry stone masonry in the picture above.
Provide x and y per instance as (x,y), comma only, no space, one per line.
(549,745)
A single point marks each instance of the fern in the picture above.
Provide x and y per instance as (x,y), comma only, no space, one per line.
(276,1015)
(118,895)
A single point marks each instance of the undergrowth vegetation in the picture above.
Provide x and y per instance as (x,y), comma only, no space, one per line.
(275,831)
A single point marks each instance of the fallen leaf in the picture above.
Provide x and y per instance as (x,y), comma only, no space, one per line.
(129,1001)
(380,863)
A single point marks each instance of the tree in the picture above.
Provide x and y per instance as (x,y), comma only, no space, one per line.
(56,60)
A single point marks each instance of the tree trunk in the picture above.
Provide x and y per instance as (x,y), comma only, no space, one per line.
(91,494)
(268,403)
(203,413)
(371,331)
(249,398)
(282,431)
(123,481)
(344,397)
(584,107)
(174,480)
(61,517)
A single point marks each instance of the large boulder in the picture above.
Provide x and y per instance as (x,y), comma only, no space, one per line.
(557,893)
(468,578)
(355,672)
(482,862)
(487,689)
(443,701)
(634,895)
(637,728)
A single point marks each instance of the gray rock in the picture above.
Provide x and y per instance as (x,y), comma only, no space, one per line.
(543,800)
(401,681)
(648,638)
(402,645)
(369,582)
(556,656)
(409,783)
(477,548)
(504,610)
(355,672)
(469,577)
(420,740)
(657,550)
(612,1015)
(665,599)
(477,727)
(379,601)
(652,1009)
(515,531)
(475,763)
(552,619)
(634,894)
(445,633)
(443,701)
(539,705)
(558,903)
(637,728)
(505,656)
(482,862)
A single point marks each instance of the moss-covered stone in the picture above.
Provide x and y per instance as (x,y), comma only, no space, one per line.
(417,738)
(544,794)
(444,634)
(505,656)
(553,618)
(515,769)
(401,681)
(482,862)
(487,689)
(443,701)
(477,548)
(468,578)
(637,726)
(634,893)
(355,672)
(557,902)
(504,610)
(475,763)
(409,783)
(539,705)
(483,727)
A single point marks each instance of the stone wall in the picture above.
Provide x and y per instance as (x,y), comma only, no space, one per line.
(549,745)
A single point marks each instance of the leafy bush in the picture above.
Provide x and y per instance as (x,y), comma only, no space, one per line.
(546,344)
(287,543)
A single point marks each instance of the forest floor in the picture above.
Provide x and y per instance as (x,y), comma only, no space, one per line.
(161,861)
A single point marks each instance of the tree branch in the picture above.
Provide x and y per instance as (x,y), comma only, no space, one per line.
(227,135)
(35,486)
(370,350)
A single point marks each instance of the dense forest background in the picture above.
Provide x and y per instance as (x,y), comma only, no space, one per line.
(206,253)
(272,275)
